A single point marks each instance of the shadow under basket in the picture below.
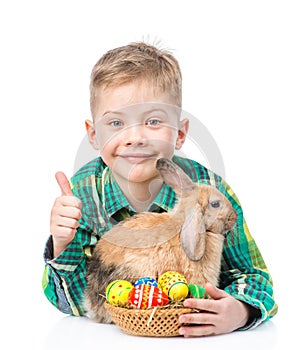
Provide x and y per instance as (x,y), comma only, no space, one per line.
(156,322)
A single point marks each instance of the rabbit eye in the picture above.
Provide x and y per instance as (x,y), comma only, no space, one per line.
(215,204)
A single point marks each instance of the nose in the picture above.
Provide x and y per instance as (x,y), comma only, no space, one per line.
(134,135)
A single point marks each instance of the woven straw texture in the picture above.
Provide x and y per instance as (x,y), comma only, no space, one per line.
(159,322)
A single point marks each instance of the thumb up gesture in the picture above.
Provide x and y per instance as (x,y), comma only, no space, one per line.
(65,215)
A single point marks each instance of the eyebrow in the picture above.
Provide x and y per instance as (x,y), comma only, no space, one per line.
(144,112)
(114,112)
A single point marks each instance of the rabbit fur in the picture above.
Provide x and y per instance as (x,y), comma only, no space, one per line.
(188,239)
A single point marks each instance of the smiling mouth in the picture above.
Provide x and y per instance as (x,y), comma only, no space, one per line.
(137,158)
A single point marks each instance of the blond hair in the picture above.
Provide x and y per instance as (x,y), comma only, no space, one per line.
(137,61)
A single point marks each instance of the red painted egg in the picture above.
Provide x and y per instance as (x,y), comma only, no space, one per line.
(145,296)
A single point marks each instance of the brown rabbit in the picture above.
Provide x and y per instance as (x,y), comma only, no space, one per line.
(188,239)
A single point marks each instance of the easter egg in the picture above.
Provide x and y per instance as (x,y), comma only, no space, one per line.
(117,292)
(197,291)
(174,284)
(146,280)
(178,291)
(144,296)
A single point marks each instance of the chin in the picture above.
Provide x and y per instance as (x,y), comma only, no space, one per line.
(141,174)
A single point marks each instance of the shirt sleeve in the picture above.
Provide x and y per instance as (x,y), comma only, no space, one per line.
(244,273)
(64,276)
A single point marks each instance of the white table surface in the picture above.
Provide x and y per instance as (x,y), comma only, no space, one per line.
(48,329)
(30,322)
(75,333)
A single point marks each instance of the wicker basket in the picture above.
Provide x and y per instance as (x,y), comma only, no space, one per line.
(157,322)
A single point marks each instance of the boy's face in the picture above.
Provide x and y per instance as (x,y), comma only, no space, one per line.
(133,127)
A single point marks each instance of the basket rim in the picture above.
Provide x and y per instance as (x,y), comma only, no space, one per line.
(164,308)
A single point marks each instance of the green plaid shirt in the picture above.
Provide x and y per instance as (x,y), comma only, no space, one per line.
(244,274)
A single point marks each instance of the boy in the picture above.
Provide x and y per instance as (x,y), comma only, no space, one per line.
(135,99)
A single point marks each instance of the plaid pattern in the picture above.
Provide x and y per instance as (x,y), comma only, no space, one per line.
(243,271)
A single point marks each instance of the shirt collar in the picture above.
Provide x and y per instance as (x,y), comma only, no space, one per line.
(114,200)
(165,199)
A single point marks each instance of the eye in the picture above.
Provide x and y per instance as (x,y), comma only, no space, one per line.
(153,122)
(116,123)
(215,204)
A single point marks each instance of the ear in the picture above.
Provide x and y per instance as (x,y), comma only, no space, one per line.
(90,129)
(182,132)
(174,176)
(193,234)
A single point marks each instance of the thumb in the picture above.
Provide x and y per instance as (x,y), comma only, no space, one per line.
(63,183)
(214,292)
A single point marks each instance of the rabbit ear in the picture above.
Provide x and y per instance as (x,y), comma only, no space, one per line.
(193,233)
(174,176)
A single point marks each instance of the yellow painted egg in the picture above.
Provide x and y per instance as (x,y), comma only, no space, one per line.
(117,292)
(174,284)
(178,291)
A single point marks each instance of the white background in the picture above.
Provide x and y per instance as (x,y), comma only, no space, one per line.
(241,78)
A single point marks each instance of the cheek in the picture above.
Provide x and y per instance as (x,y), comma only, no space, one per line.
(108,141)
(167,141)
(166,136)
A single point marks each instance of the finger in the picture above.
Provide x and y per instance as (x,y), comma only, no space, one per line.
(215,292)
(68,201)
(63,183)
(199,318)
(71,212)
(67,222)
(198,331)
(208,305)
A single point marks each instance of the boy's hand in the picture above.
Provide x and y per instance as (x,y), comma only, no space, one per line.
(221,314)
(65,214)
